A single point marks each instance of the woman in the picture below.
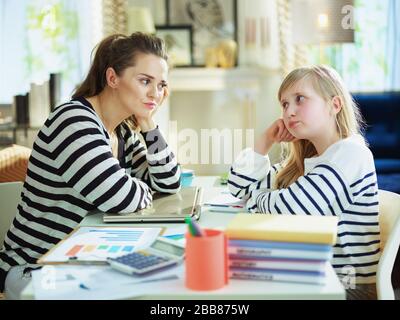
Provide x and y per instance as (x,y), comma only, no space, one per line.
(88,156)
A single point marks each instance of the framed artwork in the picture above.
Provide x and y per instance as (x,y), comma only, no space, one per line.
(179,43)
(212,22)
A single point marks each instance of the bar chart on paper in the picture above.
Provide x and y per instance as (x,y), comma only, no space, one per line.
(99,243)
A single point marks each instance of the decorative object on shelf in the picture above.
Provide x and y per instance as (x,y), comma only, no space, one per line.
(140,19)
(212,21)
(21,109)
(227,53)
(39,103)
(211,57)
(224,55)
(179,43)
(55,89)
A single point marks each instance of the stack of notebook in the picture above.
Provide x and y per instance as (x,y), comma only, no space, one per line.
(280,247)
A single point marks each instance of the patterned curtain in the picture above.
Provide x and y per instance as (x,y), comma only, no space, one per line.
(114,16)
(291,56)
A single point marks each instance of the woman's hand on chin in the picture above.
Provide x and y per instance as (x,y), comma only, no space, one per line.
(146,124)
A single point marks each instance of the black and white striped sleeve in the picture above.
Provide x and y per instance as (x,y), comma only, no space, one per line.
(323,191)
(251,171)
(84,161)
(156,165)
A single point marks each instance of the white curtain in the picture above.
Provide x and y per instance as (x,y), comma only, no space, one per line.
(372,62)
(39,37)
(393,46)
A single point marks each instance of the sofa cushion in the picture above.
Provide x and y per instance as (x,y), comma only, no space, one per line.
(389,182)
(387,165)
(381,112)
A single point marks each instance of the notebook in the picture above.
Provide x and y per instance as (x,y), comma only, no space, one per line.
(287,228)
(165,208)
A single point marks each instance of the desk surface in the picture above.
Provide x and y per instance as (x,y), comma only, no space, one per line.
(236,289)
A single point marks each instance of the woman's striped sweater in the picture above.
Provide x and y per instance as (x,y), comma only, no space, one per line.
(341,182)
(72,171)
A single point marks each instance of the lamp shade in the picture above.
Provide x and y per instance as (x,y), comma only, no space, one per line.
(140,19)
(322,21)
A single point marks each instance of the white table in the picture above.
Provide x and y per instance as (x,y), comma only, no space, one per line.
(236,289)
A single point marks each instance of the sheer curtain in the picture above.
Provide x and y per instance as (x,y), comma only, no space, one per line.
(46,36)
(371,63)
(393,46)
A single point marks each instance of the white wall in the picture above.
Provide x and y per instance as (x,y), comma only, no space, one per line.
(207,110)
(202,110)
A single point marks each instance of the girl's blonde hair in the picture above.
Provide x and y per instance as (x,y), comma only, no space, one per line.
(328,84)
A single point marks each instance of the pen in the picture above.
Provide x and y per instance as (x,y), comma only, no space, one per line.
(194,228)
(82,286)
(224,205)
(223,211)
(199,231)
(190,226)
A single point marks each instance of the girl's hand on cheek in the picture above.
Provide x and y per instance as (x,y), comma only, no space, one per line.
(275,133)
(278,132)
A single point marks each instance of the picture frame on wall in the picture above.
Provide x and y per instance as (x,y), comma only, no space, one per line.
(212,21)
(179,43)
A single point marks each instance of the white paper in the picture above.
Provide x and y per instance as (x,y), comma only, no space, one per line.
(225,202)
(97,282)
(97,243)
(226,198)
(176,233)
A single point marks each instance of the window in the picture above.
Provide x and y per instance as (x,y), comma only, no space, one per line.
(42,37)
(371,63)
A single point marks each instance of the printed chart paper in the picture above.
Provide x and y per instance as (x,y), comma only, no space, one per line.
(99,243)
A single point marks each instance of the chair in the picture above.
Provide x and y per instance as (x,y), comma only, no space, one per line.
(389,221)
(10,194)
(14,163)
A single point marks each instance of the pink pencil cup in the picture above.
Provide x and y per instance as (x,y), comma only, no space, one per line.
(206,261)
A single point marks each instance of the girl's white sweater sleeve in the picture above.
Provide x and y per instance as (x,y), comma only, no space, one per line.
(251,171)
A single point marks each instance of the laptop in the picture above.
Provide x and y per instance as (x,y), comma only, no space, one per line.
(165,208)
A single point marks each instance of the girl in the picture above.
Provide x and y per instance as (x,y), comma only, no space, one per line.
(328,169)
(88,156)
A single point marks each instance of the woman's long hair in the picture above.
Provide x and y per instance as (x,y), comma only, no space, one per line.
(328,84)
(119,52)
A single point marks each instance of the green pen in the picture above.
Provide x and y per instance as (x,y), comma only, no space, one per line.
(188,221)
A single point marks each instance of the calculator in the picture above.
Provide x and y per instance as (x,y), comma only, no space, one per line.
(161,254)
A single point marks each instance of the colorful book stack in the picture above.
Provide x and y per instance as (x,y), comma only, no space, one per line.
(280,247)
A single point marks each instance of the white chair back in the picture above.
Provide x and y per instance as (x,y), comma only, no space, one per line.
(10,195)
(389,222)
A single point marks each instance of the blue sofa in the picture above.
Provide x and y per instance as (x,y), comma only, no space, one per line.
(381,112)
